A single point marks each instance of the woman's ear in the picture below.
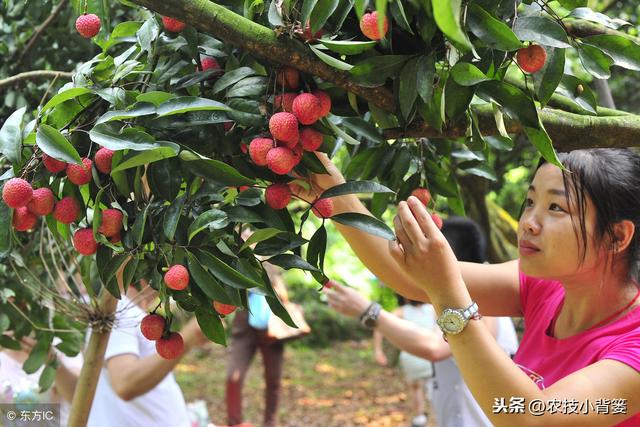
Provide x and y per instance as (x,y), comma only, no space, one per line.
(623,232)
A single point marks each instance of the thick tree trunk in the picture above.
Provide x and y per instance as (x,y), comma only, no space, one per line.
(92,366)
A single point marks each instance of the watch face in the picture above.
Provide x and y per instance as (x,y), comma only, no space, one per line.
(452,322)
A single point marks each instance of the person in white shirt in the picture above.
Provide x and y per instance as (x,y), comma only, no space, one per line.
(137,387)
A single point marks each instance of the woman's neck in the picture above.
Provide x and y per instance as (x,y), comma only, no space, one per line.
(590,303)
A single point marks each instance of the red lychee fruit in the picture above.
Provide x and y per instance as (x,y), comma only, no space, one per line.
(284,102)
(80,174)
(17,192)
(67,210)
(258,149)
(369,26)
(422,194)
(115,239)
(227,126)
(88,25)
(111,222)
(281,160)
(103,159)
(224,309)
(323,208)
(170,347)
(325,101)
(307,108)
(531,59)
(244,148)
(288,77)
(23,220)
(243,188)
(84,242)
(53,165)
(177,277)
(42,202)
(152,327)
(277,195)
(298,152)
(436,218)
(284,127)
(290,145)
(173,25)
(209,63)
(310,139)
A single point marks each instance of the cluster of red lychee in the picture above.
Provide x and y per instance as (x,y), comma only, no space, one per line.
(291,135)
(168,346)
(424,196)
(29,203)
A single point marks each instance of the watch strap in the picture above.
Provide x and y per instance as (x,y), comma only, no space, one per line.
(369,317)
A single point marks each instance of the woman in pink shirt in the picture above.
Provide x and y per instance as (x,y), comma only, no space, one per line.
(576,284)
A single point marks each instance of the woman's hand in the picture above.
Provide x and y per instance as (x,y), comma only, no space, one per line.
(345,300)
(423,252)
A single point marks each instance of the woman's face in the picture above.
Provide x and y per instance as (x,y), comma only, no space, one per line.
(547,241)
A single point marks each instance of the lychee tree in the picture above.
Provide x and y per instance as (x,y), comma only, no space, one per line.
(201,117)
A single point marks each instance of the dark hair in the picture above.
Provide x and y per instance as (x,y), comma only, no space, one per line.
(610,177)
(465,238)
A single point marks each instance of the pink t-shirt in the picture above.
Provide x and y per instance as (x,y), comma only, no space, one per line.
(547,359)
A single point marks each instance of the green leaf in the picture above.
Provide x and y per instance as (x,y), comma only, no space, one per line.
(457,98)
(259,236)
(65,96)
(541,30)
(355,187)
(206,282)
(5,322)
(478,168)
(137,110)
(540,139)
(47,377)
(115,139)
(185,104)
(595,61)
(589,15)
(376,70)
(547,79)
(426,73)
(321,12)
(137,231)
(54,144)
(171,218)
(155,97)
(408,90)
(317,247)
(165,179)
(211,326)
(145,157)
(231,77)
(330,60)
(579,93)
(399,16)
(225,273)
(213,219)
(347,47)
(249,87)
(466,74)
(246,112)
(38,355)
(215,170)
(289,261)
(363,128)
(493,32)
(307,8)
(11,136)
(365,223)
(625,53)
(447,16)
(512,99)
(148,32)
(342,134)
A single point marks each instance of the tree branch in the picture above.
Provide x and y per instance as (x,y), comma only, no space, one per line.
(36,35)
(568,131)
(263,42)
(34,75)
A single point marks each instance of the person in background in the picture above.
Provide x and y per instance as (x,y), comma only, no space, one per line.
(418,372)
(452,402)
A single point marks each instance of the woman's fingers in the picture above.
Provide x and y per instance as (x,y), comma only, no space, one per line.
(409,224)
(422,217)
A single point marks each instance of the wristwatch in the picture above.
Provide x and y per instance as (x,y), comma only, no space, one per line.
(452,321)
(369,318)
